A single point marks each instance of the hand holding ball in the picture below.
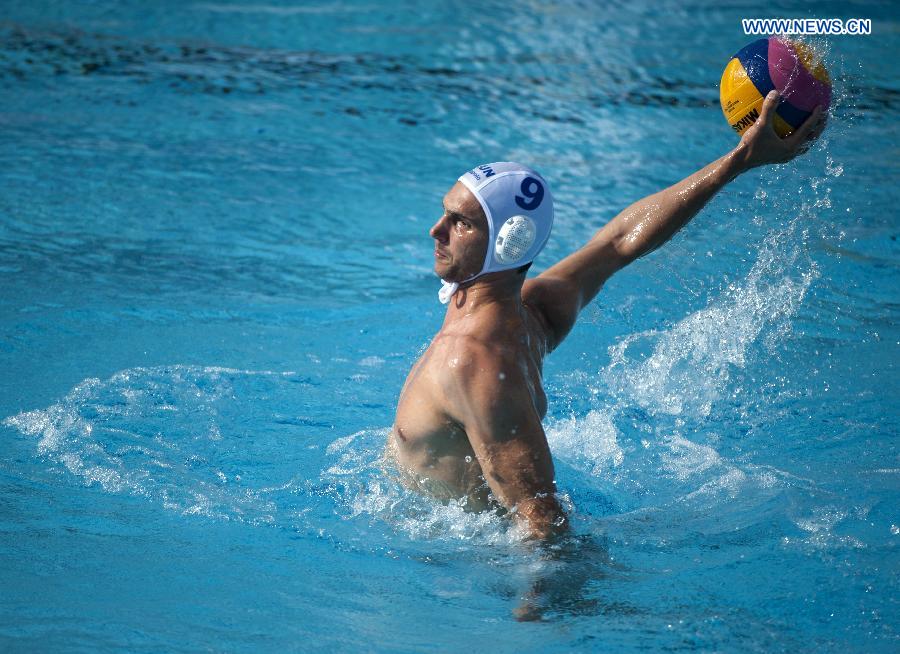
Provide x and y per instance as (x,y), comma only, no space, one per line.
(774,64)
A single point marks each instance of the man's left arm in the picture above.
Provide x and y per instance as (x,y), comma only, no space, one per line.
(565,288)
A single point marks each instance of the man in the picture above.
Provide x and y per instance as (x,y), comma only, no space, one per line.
(468,421)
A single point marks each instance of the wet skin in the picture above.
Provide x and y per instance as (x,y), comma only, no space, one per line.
(468,421)
(489,350)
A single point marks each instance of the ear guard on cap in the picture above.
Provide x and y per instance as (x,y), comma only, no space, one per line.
(514,239)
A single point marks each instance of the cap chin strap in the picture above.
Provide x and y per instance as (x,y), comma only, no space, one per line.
(447,291)
(449,288)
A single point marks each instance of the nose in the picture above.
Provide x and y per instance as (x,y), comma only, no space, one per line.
(440,230)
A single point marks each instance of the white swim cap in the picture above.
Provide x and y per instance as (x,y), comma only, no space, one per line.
(519,209)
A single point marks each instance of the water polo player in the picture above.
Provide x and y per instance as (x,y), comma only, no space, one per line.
(468,421)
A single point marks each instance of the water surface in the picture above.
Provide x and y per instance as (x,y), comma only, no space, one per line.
(216,274)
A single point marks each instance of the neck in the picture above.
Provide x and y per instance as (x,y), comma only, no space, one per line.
(501,289)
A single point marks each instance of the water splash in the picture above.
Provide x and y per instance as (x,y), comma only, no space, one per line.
(692,363)
(653,435)
(164,433)
(646,443)
(368,488)
(820,530)
(167,433)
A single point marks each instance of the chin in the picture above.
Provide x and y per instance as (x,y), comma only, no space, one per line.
(444,272)
(451,272)
(449,275)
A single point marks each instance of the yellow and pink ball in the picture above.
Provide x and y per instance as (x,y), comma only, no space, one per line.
(789,67)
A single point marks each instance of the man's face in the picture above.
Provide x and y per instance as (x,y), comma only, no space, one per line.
(460,235)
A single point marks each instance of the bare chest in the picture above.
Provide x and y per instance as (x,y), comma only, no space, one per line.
(425,438)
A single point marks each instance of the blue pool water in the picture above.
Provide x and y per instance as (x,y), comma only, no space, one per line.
(216,274)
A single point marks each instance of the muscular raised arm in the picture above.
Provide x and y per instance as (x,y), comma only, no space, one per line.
(567,287)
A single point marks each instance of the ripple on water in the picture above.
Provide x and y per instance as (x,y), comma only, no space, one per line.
(165,433)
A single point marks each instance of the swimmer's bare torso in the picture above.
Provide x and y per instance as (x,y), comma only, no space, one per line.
(483,348)
(468,421)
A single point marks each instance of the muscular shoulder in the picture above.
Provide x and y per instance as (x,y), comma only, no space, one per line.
(479,371)
(474,359)
(491,397)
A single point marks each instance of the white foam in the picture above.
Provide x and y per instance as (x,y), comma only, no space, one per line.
(691,364)
(134,433)
(686,459)
(820,526)
(587,443)
(661,383)
(365,487)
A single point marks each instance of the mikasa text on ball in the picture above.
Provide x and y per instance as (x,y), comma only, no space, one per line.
(774,63)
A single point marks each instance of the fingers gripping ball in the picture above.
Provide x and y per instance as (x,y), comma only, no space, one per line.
(774,63)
